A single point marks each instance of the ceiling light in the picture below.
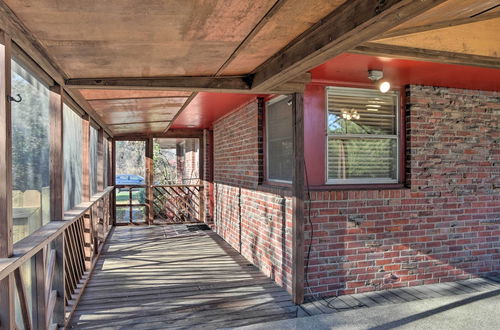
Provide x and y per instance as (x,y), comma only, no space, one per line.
(376,75)
(384,86)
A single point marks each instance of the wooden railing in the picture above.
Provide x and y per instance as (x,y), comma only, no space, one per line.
(63,254)
(178,203)
(137,197)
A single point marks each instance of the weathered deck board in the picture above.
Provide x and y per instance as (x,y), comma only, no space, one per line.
(149,278)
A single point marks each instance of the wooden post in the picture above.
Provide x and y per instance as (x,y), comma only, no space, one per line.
(85,159)
(113,181)
(298,200)
(100,159)
(201,174)
(149,179)
(7,319)
(110,162)
(41,295)
(57,196)
(56,154)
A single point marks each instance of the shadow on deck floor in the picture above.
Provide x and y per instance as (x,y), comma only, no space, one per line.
(162,277)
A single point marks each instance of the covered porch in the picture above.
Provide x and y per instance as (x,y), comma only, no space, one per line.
(208,164)
(173,277)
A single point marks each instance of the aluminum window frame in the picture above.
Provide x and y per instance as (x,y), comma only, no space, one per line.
(397,137)
(268,103)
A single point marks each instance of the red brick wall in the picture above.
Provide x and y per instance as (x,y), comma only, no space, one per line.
(255,219)
(191,161)
(445,226)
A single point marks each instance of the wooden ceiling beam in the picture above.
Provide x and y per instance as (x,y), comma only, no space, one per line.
(221,84)
(419,54)
(439,25)
(352,23)
(180,133)
(235,84)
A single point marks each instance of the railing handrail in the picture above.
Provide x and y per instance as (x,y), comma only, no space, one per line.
(156,185)
(177,185)
(30,245)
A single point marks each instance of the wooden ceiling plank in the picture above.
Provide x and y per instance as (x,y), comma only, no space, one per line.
(26,42)
(352,23)
(257,28)
(450,10)
(184,106)
(419,54)
(479,38)
(439,25)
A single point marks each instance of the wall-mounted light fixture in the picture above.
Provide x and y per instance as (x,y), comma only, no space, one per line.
(376,76)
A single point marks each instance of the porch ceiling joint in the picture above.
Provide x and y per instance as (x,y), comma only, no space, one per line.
(420,54)
(352,23)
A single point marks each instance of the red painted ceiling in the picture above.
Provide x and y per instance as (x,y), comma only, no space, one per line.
(351,69)
(207,107)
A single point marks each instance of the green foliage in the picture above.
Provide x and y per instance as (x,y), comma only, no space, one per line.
(30,132)
(165,170)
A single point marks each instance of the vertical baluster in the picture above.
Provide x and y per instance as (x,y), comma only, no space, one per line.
(201,207)
(23,302)
(42,277)
(88,240)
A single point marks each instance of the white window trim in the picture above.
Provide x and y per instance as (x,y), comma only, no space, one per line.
(268,103)
(360,181)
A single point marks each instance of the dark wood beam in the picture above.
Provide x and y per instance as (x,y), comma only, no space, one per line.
(100,159)
(419,54)
(149,180)
(56,154)
(298,200)
(85,159)
(57,196)
(175,133)
(352,23)
(237,84)
(439,25)
(7,316)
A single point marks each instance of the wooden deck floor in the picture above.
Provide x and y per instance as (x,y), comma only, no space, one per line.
(163,277)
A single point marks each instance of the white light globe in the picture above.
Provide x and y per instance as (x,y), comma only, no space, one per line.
(384,86)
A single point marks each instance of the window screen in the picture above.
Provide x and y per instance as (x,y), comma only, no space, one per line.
(93,160)
(279,138)
(30,153)
(72,158)
(362,135)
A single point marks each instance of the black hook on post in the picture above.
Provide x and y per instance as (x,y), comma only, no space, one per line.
(19,98)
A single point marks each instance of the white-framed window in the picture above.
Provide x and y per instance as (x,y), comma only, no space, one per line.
(362,136)
(279,139)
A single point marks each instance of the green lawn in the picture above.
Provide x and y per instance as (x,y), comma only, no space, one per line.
(138,196)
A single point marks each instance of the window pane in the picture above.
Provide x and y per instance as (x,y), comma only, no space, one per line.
(30,153)
(362,158)
(279,137)
(361,111)
(72,158)
(93,160)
